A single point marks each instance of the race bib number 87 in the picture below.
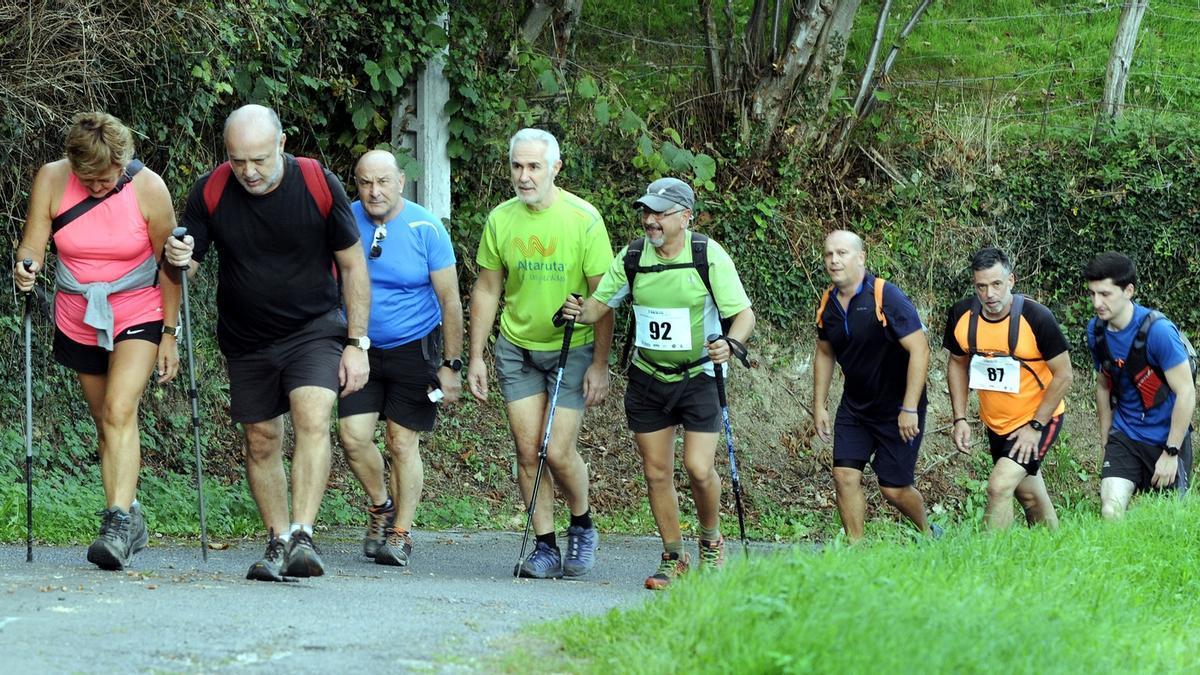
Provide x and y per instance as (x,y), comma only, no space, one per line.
(1001,373)
(667,330)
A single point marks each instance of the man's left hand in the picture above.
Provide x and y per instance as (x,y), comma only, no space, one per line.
(353,370)
(1025,449)
(1164,471)
(451,384)
(595,384)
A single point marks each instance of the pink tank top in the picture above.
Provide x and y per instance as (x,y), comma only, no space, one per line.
(103,245)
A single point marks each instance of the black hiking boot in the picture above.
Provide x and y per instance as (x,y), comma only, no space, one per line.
(118,541)
(270,568)
(301,558)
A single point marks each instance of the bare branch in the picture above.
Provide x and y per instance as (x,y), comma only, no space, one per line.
(711,39)
(868,76)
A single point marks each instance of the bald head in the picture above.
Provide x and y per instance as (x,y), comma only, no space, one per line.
(380,183)
(845,259)
(845,238)
(254,143)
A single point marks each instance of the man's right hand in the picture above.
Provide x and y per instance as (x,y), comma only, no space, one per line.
(23,278)
(824,428)
(179,253)
(477,379)
(962,437)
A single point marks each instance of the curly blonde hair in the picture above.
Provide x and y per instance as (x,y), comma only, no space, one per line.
(96,142)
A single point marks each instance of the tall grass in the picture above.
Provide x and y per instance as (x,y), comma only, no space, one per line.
(1092,597)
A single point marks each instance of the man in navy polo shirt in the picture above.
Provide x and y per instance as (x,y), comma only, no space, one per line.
(872,329)
(1145,430)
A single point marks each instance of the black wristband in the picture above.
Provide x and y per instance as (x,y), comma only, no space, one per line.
(958,419)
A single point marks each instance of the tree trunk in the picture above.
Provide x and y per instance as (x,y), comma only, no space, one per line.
(535,19)
(712,43)
(1121,56)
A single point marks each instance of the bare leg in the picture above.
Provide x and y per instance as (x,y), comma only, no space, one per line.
(1034,498)
(264,472)
(908,501)
(311,409)
(699,459)
(658,463)
(1115,494)
(357,436)
(526,419)
(408,472)
(851,503)
(1002,485)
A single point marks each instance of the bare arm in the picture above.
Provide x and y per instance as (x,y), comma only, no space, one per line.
(956,382)
(356,297)
(917,346)
(445,285)
(596,379)
(155,202)
(823,360)
(485,302)
(1063,374)
(1179,379)
(37,225)
(1104,412)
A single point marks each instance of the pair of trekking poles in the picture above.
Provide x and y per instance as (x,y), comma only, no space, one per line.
(542,449)
(178,233)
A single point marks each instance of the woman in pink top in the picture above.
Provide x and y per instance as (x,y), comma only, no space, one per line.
(115,315)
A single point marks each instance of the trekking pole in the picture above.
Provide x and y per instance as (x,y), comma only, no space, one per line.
(733,471)
(179,233)
(537,479)
(28,263)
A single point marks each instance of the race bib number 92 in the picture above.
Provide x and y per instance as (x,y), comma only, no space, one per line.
(663,329)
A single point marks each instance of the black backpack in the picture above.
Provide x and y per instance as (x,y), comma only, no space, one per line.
(1014,332)
(1150,381)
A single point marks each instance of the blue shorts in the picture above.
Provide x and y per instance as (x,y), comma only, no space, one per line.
(859,440)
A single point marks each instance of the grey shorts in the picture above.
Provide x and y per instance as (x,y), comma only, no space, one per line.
(524,373)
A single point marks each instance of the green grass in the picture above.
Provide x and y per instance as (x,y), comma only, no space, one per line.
(1091,597)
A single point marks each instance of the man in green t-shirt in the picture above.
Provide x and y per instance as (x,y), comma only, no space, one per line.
(672,382)
(536,247)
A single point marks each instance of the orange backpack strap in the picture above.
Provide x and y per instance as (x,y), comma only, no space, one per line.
(879,284)
(821,306)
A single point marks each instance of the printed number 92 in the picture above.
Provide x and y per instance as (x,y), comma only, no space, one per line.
(660,330)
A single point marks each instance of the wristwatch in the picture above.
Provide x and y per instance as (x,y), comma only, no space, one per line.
(1036,425)
(453,364)
(1171,450)
(170,330)
(363,343)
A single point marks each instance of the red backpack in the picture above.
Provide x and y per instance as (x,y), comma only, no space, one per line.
(314,180)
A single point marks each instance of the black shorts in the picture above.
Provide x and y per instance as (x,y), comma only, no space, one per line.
(93,359)
(1134,461)
(652,405)
(858,440)
(259,382)
(1001,446)
(398,388)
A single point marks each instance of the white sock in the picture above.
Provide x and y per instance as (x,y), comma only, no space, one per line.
(301,526)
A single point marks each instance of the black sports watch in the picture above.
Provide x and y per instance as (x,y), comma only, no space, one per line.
(1171,450)
(453,364)
(1036,425)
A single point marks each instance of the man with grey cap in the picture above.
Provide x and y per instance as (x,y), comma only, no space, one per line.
(683,287)
(536,247)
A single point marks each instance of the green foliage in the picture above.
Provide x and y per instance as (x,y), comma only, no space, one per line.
(1092,597)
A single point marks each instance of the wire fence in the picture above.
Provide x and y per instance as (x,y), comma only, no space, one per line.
(1026,72)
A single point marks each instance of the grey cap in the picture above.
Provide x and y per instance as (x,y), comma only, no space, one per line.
(664,193)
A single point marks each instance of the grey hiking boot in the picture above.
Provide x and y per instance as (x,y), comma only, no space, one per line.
(301,558)
(581,550)
(139,536)
(544,563)
(270,568)
(113,549)
(378,522)
(396,548)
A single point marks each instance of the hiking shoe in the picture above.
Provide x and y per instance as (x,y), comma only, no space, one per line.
(270,568)
(117,541)
(581,550)
(395,549)
(673,566)
(301,558)
(378,522)
(544,563)
(712,554)
(138,535)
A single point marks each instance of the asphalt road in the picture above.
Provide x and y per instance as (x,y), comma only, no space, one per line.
(453,608)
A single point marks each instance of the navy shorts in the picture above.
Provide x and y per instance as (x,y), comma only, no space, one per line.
(259,382)
(1001,446)
(1134,461)
(652,405)
(93,359)
(858,440)
(401,378)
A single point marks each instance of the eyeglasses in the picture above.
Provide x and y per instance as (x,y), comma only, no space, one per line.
(660,214)
(380,235)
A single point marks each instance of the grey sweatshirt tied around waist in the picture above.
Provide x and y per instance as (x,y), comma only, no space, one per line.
(99,314)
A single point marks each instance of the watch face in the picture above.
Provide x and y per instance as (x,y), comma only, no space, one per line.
(453,364)
(363,343)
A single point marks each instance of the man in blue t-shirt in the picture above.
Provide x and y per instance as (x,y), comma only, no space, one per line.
(1145,428)
(884,356)
(416,337)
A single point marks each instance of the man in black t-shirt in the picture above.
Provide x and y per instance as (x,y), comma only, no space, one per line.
(871,329)
(287,345)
